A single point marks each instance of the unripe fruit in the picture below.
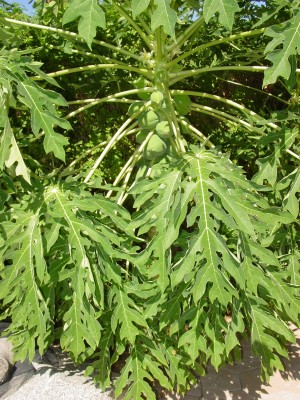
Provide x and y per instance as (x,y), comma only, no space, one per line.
(148,120)
(163,129)
(157,97)
(155,147)
(141,136)
(134,107)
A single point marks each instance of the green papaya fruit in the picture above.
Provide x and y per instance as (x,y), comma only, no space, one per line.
(134,107)
(141,136)
(163,129)
(157,97)
(141,83)
(155,147)
(148,119)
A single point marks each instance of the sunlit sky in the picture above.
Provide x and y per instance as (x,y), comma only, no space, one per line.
(24,3)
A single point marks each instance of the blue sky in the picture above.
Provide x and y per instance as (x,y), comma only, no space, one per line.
(24,3)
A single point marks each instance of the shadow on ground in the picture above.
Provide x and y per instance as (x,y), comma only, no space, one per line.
(241,381)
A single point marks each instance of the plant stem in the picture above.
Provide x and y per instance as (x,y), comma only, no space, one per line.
(114,139)
(133,24)
(224,116)
(293,154)
(187,34)
(215,43)
(92,150)
(159,46)
(252,88)
(95,67)
(199,134)
(129,168)
(106,99)
(145,26)
(178,76)
(125,101)
(223,100)
(172,119)
(89,54)
(133,159)
(71,35)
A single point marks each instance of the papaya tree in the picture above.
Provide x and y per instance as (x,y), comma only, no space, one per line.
(177,258)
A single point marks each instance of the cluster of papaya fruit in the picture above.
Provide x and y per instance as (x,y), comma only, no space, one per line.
(153,119)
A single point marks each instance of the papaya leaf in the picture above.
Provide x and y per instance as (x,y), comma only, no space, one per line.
(164,16)
(139,6)
(10,153)
(87,238)
(22,281)
(268,166)
(290,201)
(40,101)
(287,38)
(48,240)
(293,269)
(167,230)
(192,340)
(236,326)
(126,314)
(44,116)
(90,16)
(177,374)
(135,375)
(267,336)
(102,363)
(225,8)
(207,251)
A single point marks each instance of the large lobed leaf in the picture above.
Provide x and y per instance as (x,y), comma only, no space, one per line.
(225,8)
(10,153)
(44,116)
(139,6)
(165,16)
(268,166)
(53,247)
(206,221)
(90,16)
(24,280)
(284,45)
(41,102)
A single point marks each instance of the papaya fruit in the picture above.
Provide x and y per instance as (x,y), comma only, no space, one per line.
(141,136)
(155,147)
(134,107)
(163,129)
(157,97)
(148,119)
(141,83)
